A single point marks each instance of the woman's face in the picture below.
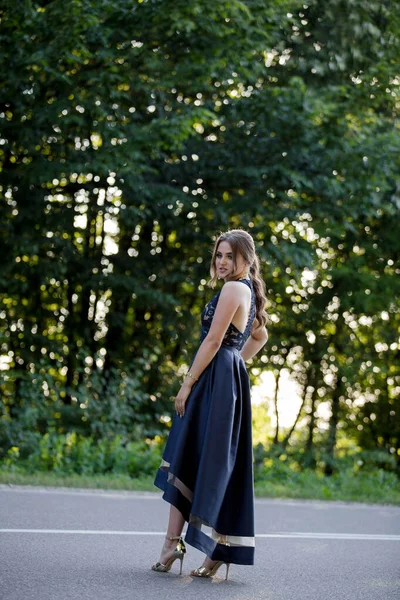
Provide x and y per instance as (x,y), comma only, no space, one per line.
(224,262)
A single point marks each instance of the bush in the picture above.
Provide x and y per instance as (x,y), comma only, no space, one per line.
(358,476)
(34,404)
(72,453)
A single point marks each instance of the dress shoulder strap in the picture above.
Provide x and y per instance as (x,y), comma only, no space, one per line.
(246,282)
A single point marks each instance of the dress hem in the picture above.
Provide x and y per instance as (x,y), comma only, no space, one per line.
(242,555)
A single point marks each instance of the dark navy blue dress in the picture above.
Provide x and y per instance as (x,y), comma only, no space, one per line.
(207,466)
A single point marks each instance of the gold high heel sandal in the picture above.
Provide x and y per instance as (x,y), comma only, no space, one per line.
(179,553)
(204,572)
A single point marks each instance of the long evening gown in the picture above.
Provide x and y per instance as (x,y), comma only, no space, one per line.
(206,470)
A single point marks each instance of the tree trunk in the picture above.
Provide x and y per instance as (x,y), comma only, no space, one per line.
(276,437)
(292,429)
(333,422)
(309,458)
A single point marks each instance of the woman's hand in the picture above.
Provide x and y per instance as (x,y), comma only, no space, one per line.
(181,398)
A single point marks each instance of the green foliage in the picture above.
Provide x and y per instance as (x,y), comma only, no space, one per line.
(73,453)
(372,486)
(359,477)
(289,467)
(100,408)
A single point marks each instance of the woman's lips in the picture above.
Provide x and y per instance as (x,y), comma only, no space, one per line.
(222,270)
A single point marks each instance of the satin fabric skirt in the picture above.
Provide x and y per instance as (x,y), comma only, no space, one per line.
(207,466)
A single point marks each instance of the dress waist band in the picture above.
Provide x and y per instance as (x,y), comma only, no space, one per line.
(231,348)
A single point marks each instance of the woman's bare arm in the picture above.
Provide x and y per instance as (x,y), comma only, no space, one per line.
(231,295)
(257,339)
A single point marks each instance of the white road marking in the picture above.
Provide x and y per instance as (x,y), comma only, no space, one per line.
(289,534)
(332,536)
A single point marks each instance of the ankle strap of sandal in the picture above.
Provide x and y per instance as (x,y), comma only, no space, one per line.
(172,537)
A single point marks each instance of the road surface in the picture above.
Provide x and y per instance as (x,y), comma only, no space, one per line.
(64,544)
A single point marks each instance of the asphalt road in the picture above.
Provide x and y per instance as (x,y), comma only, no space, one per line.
(59,544)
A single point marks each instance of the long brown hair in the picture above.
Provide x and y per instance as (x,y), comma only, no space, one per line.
(242,242)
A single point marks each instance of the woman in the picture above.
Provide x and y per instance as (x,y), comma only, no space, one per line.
(207,468)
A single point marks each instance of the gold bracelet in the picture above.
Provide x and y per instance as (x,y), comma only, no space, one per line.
(188,374)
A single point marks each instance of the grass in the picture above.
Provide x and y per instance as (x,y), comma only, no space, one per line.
(106,482)
(351,491)
(376,487)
